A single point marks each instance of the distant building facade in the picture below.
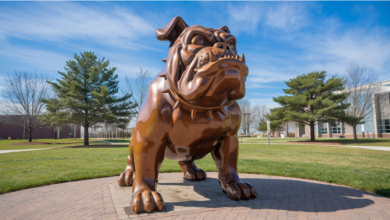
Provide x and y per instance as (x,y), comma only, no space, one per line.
(40,132)
(377,124)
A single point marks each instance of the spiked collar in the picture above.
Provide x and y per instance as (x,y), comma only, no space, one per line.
(182,104)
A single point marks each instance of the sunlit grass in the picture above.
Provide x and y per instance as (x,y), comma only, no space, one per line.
(359,168)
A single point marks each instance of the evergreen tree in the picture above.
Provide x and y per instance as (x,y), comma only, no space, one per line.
(88,90)
(262,125)
(54,115)
(274,125)
(309,99)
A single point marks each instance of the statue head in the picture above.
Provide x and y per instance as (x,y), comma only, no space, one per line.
(203,67)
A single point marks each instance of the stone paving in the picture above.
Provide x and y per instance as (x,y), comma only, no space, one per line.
(278,198)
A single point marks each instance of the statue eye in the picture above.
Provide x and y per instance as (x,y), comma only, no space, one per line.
(198,40)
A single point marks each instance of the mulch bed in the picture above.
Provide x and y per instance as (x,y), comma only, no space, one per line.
(315,142)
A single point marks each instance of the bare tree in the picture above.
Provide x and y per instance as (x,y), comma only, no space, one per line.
(361,84)
(248,116)
(287,126)
(138,86)
(22,93)
(74,128)
(259,112)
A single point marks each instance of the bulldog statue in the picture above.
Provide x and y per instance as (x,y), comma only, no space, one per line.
(190,110)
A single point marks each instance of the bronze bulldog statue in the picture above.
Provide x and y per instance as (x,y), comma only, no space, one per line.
(189,111)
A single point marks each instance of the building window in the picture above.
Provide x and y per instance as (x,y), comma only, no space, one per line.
(385,126)
(335,129)
(323,129)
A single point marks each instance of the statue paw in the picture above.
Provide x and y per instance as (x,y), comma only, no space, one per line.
(240,190)
(147,201)
(195,174)
(126,178)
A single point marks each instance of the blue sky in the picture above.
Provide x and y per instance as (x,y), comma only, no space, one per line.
(280,39)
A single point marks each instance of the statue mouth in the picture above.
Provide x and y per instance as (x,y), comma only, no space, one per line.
(213,72)
(211,59)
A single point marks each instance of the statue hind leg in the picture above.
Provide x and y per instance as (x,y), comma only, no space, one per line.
(191,171)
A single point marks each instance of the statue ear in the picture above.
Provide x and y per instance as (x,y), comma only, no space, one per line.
(172,30)
(225,29)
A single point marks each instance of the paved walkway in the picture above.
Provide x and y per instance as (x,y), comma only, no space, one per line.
(286,143)
(278,198)
(12,151)
(371,147)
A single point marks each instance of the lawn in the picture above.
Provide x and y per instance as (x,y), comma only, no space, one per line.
(359,168)
(42,143)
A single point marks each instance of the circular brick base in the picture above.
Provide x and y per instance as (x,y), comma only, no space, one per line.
(278,198)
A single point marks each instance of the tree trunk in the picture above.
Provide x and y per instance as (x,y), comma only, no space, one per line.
(30,135)
(354,133)
(312,135)
(58,132)
(86,136)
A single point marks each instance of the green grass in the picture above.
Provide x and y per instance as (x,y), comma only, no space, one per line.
(359,168)
(7,144)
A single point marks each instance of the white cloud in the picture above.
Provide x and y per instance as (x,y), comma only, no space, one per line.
(65,20)
(269,102)
(283,16)
(37,59)
(287,16)
(244,17)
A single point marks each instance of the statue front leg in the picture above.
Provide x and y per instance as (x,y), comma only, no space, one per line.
(226,157)
(148,156)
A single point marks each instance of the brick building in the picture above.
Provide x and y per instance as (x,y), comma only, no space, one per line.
(40,132)
(377,124)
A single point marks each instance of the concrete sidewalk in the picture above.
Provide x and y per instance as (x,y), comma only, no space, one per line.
(286,143)
(12,151)
(278,198)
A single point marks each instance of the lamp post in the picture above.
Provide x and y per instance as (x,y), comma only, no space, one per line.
(268,129)
(247,124)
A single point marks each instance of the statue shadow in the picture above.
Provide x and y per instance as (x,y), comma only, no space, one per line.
(277,194)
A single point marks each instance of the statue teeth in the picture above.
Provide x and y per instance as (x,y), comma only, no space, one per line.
(242,58)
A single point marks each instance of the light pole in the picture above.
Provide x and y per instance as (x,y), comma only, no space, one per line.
(246,123)
(268,129)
